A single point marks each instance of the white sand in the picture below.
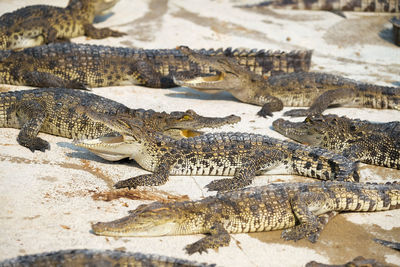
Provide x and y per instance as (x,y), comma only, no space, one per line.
(45,198)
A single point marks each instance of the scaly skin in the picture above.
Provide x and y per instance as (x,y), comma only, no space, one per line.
(42,24)
(82,65)
(57,111)
(303,209)
(241,155)
(371,143)
(317,90)
(357,262)
(98,258)
(334,5)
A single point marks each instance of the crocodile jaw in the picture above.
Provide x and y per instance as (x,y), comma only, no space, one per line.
(154,219)
(298,131)
(110,148)
(103,7)
(209,84)
(142,230)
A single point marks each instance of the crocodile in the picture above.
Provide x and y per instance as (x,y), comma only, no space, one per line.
(314,89)
(333,5)
(82,65)
(371,143)
(98,258)
(356,262)
(302,209)
(43,24)
(55,111)
(241,155)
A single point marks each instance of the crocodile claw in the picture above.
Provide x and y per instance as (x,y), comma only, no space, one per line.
(297,113)
(265,111)
(35,144)
(195,247)
(227,184)
(292,234)
(302,231)
(128,183)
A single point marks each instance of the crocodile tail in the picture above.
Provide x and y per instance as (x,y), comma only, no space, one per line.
(380,97)
(337,5)
(322,164)
(268,63)
(368,196)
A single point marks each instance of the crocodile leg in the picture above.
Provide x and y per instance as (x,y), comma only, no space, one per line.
(342,95)
(50,35)
(158,177)
(271,104)
(31,116)
(218,237)
(95,33)
(145,73)
(43,79)
(245,174)
(304,206)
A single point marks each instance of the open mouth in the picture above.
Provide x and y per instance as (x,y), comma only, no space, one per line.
(111,148)
(104,140)
(208,82)
(210,78)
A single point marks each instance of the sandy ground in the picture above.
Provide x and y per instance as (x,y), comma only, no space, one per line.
(48,200)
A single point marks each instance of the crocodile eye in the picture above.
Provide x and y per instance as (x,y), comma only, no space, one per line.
(190,111)
(186,118)
(308,120)
(124,123)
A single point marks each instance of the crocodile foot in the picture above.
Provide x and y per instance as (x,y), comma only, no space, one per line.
(129,183)
(265,111)
(141,180)
(218,237)
(297,113)
(196,247)
(301,231)
(114,33)
(227,184)
(34,144)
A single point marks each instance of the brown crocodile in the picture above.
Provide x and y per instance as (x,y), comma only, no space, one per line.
(43,24)
(356,262)
(371,143)
(392,6)
(82,65)
(97,258)
(303,209)
(317,90)
(55,111)
(241,155)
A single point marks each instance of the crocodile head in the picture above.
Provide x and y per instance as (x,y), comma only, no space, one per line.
(311,131)
(128,143)
(320,130)
(180,124)
(131,130)
(96,7)
(102,7)
(155,219)
(230,75)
